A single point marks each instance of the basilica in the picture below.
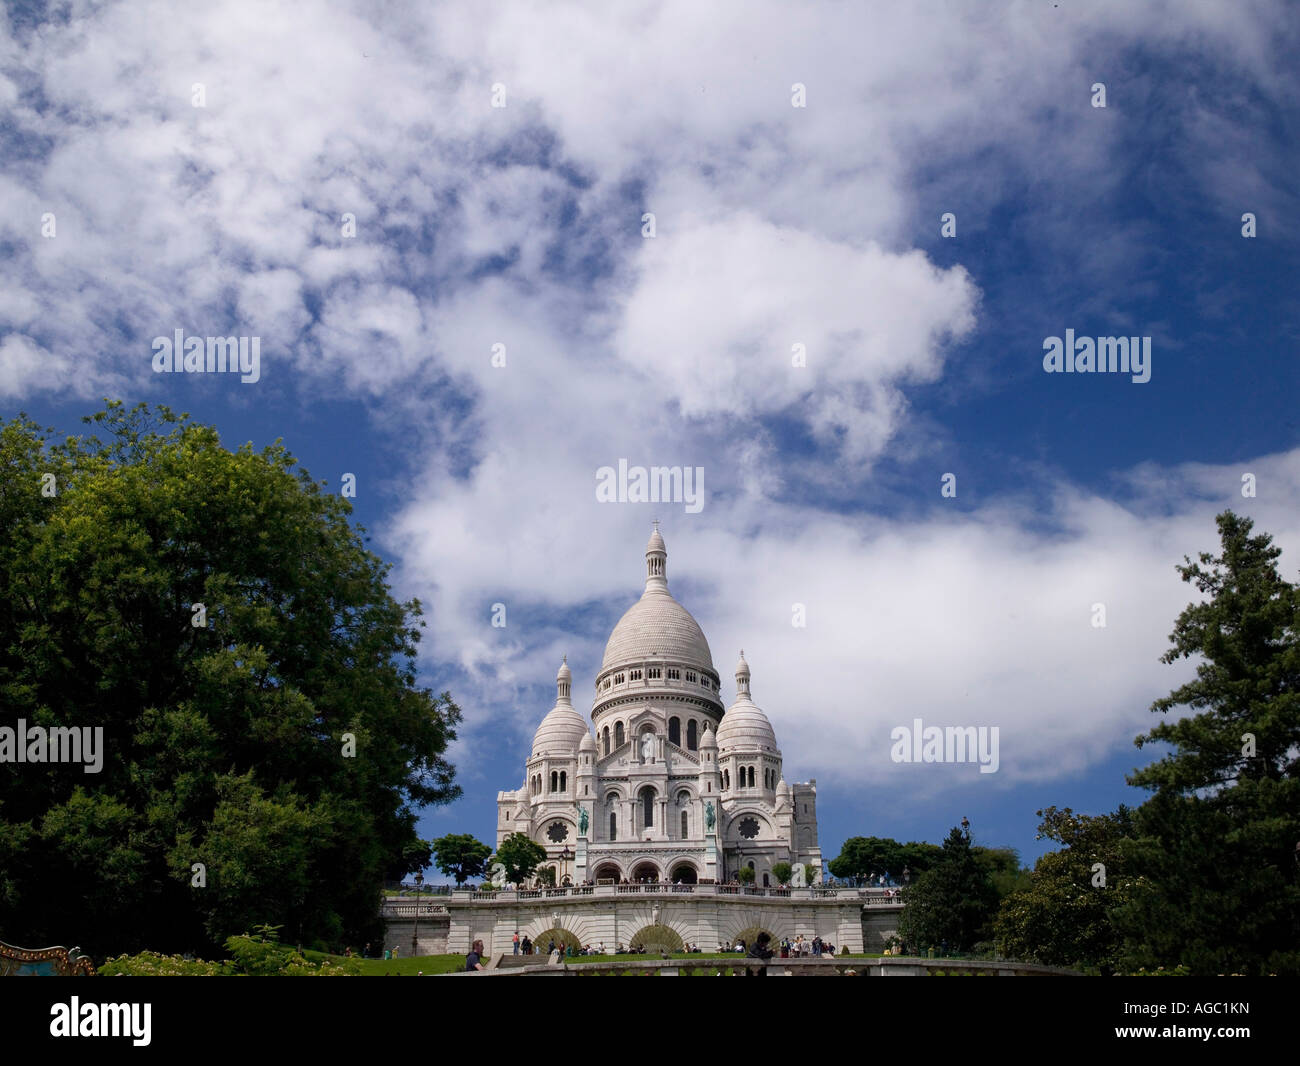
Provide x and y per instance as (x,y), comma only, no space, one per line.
(666,785)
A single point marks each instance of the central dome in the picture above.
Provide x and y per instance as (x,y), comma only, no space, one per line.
(657,626)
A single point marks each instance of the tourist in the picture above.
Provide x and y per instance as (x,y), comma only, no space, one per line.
(550,947)
(473,961)
(515,941)
(367,951)
(760,951)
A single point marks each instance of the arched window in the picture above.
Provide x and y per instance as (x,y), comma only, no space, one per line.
(618,734)
(726,778)
(613,826)
(564,780)
(686,831)
(751,777)
(555,780)
(648,807)
(692,736)
(675,731)
(606,736)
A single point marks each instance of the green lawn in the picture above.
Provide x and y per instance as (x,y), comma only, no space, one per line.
(410,966)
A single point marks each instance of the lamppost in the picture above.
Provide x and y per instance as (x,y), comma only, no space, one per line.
(565,856)
(415,936)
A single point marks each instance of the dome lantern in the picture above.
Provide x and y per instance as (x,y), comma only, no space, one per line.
(656,561)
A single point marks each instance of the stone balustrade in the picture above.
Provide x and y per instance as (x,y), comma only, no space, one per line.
(867,896)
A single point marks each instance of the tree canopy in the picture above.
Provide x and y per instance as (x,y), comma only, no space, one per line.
(1067,914)
(520,855)
(266,742)
(460,856)
(952,902)
(872,856)
(1216,843)
(1203,877)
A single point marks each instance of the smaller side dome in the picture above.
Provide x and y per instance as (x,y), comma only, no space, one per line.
(708,742)
(588,742)
(744,727)
(560,733)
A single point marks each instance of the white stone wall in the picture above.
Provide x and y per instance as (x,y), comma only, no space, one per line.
(707,919)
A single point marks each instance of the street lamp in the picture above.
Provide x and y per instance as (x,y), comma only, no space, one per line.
(565,856)
(415,936)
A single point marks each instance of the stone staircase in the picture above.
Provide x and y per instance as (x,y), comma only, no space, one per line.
(511,961)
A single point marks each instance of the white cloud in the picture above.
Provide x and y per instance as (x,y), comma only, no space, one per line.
(982,620)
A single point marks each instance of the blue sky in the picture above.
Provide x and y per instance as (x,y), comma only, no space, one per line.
(775,225)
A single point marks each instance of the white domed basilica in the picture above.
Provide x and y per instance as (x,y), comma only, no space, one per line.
(669,786)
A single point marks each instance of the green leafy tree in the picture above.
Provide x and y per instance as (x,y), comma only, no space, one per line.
(917,857)
(872,856)
(782,871)
(520,855)
(460,856)
(218,616)
(1066,914)
(953,902)
(1003,866)
(745,875)
(1216,842)
(416,857)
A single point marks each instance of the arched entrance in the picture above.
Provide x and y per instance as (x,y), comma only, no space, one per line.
(655,938)
(684,873)
(562,937)
(608,871)
(749,934)
(645,871)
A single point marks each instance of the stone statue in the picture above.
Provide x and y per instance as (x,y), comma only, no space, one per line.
(654,914)
(582,820)
(647,747)
(709,818)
